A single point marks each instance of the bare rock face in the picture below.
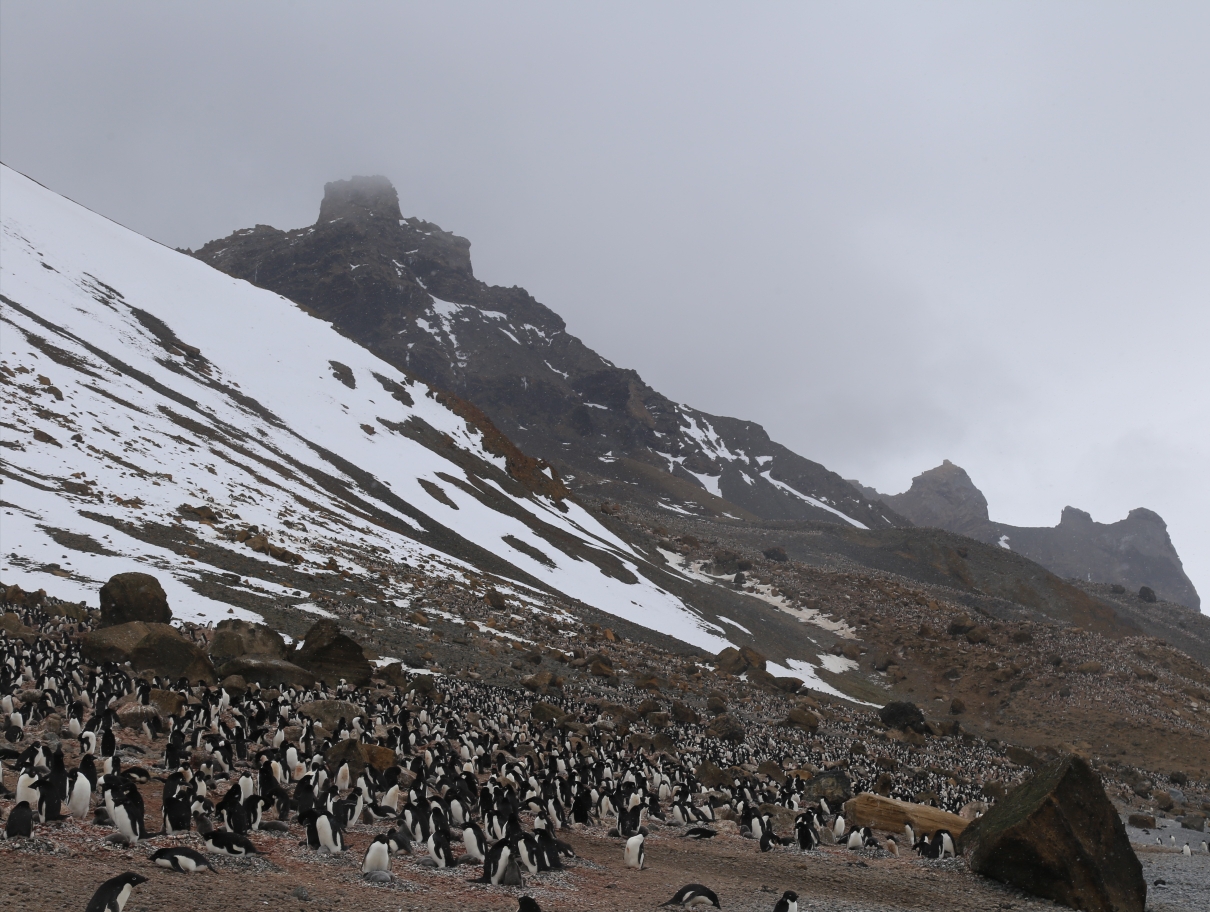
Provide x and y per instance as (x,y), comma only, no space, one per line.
(946,498)
(902,716)
(328,713)
(726,727)
(134,597)
(1058,836)
(331,656)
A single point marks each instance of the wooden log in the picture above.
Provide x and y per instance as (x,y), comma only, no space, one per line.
(889,815)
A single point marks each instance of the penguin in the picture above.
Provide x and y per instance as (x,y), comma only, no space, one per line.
(838,827)
(221,843)
(328,834)
(80,795)
(378,856)
(511,876)
(787,903)
(474,841)
(181,859)
(439,850)
(891,846)
(693,896)
(398,841)
(699,833)
(528,904)
(1186,851)
(634,854)
(496,861)
(111,896)
(20,822)
(947,843)
(49,801)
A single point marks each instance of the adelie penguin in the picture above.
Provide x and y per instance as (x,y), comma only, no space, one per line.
(20,822)
(634,853)
(377,859)
(787,903)
(528,904)
(693,896)
(219,842)
(699,833)
(111,896)
(181,859)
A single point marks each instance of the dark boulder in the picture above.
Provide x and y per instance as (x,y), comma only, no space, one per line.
(112,644)
(1058,836)
(711,776)
(902,715)
(1147,594)
(332,656)
(776,554)
(684,713)
(134,597)
(726,728)
(234,638)
(164,651)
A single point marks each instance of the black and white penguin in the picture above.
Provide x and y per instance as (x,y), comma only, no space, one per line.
(50,803)
(398,841)
(496,862)
(181,859)
(218,842)
(634,854)
(20,822)
(111,896)
(378,856)
(439,850)
(328,834)
(528,904)
(947,843)
(474,841)
(787,903)
(693,896)
(700,833)
(79,795)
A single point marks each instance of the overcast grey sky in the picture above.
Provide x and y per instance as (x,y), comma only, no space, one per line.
(892,233)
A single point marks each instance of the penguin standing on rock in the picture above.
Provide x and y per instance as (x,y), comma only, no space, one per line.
(634,853)
(111,896)
(693,896)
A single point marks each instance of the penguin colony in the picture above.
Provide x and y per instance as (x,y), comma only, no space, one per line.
(475,781)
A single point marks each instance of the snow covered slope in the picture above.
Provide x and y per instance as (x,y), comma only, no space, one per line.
(141,390)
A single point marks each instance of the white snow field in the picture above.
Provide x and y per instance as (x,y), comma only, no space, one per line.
(135,379)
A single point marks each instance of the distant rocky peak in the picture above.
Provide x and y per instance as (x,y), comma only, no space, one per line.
(358,198)
(945,498)
(1074,516)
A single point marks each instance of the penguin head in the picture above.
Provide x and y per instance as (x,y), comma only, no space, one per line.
(528,904)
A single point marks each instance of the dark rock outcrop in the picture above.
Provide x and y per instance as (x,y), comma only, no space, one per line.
(381,279)
(1135,553)
(131,597)
(112,644)
(727,728)
(332,656)
(1058,836)
(833,786)
(902,715)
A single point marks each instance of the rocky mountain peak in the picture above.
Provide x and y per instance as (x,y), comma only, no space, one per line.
(359,198)
(945,498)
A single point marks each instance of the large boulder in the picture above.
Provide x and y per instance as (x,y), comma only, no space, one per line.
(359,755)
(711,776)
(112,644)
(801,717)
(1058,836)
(332,656)
(902,715)
(329,712)
(134,597)
(726,728)
(833,786)
(163,651)
(267,671)
(234,638)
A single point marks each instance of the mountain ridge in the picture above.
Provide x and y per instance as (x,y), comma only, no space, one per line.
(406,289)
(1134,552)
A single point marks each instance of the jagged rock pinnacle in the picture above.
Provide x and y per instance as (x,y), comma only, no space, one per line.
(359,197)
